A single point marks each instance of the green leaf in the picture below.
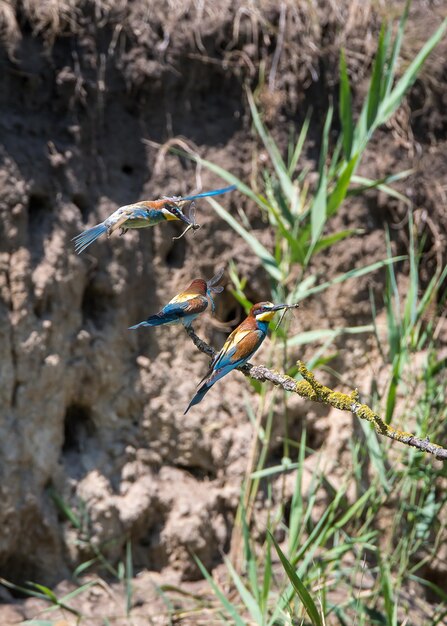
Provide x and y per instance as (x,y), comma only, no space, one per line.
(267,260)
(346,119)
(298,585)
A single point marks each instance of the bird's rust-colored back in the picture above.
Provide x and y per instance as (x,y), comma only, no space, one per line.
(198,285)
(153,204)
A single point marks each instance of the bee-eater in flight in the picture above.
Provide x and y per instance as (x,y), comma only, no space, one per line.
(188,304)
(240,346)
(143,214)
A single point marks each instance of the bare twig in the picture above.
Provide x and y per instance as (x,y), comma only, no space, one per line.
(311,389)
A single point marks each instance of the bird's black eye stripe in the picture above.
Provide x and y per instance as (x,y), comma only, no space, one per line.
(172,208)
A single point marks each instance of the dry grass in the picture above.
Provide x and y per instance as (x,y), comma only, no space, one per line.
(263,24)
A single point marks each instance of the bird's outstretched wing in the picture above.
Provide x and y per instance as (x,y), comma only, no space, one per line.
(207,194)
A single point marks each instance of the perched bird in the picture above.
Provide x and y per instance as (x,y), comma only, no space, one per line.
(143,214)
(188,304)
(239,347)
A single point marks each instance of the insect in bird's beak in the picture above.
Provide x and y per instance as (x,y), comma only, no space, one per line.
(284,308)
(189,219)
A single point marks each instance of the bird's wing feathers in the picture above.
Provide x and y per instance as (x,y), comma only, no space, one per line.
(183,306)
(237,349)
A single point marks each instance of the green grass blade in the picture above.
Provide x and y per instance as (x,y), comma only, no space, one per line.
(375,88)
(84,566)
(381,184)
(65,509)
(128,577)
(324,148)
(321,334)
(354,273)
(297,504)
(277,161)
(78,590)
(340,190)
(247,598)
(299,145)
(330,240)
(275,469)
(249,556)
(298,586)
(376,454)
(387,585)
(347,123)
(267,260)
(49,593)
(318,212)
(267,578)
(392,62)
(391,103)
(24,590)
(227,605)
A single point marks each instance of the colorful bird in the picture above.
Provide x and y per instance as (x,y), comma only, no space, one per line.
(143,214)
(188,304)
(239,347)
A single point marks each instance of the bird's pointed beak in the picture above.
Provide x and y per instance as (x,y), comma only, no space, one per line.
(280,307)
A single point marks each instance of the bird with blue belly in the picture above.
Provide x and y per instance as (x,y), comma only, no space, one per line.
(143,214)
(240,346)
(187,305)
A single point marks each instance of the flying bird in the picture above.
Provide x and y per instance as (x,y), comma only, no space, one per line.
(143,214)
(188,304)
(239,346)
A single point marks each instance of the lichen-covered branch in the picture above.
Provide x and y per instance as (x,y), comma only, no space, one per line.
(311,389)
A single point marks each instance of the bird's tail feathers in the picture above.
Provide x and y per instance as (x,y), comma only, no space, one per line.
(83,240)
(156,320)
(207,382)
(200,394)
